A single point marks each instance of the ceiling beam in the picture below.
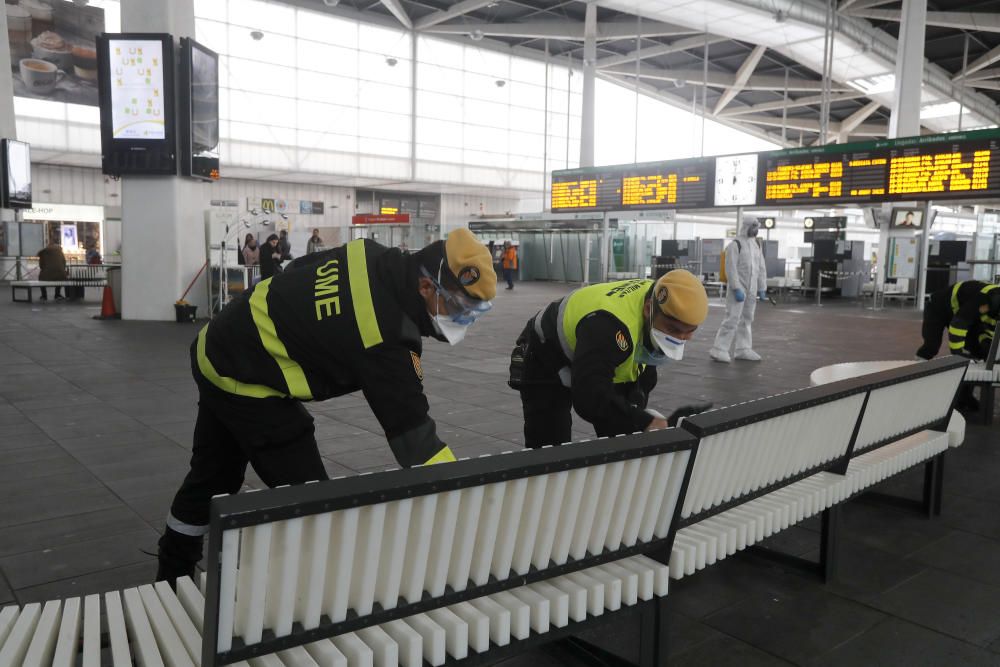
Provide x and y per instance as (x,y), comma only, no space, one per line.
(985,85)
(985,60)
(812,125)
(742,76)
(718,79)
(777,105)
(860,4)
(660,50)
(566,30)
(456,10)
(984,74)
(396,8)
(983,21)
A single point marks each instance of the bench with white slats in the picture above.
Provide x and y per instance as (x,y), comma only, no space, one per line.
(986,375)
(291,566)
(153,625)
(768,464)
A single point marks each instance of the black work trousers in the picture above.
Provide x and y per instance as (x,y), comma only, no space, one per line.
(276,436)
(937,317)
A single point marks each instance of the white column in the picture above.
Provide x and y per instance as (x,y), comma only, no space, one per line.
(163,228)
(905,118)
(589,81)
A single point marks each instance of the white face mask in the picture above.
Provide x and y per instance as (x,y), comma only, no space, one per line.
(453,332)
(672,348)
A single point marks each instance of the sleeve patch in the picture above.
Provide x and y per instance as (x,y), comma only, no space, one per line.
(417,368)
(622,341)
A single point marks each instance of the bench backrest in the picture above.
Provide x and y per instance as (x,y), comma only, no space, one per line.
(993,356)
(293,565)
(753,448)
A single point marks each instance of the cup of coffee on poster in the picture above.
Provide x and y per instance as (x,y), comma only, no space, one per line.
(52,47)
(40,76)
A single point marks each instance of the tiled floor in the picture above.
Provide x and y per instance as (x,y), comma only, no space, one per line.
(96,420)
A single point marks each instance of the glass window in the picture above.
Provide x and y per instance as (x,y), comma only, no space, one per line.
(439,153)
(327,117)
(438,105)
(216,10)
(333,140)
(384,41)
(485,138)
(212,34)
(528,71)
(439,79)
(440,52)
(384,147)
(377,67)
(271,48)
(526,120)
(482,112)
(326,58)
(270,17)
(384,125)
(327,29)
(248,75)
(261,108)
(326,87)
(439,132)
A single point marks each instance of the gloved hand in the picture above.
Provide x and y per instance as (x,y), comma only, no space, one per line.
(739,295)
(687,411)
(762,295)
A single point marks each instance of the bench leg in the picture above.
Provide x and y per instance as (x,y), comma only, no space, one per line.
(986,403)
(653,644)
(933,486)
(829,544)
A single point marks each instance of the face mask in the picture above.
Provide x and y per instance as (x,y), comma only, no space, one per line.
(452,331)
(672,348)
(752,231)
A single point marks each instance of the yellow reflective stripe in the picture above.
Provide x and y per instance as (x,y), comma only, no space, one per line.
(985,336)
(443,456)
(953,331)
(954,297)
(229,385)
(361,294)
(295,377)
(953,345)
(988,320)
(989,288)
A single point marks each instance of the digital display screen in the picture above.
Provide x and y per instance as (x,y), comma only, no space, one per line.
(138,100)
(951,166)
(199,110)
(17,174)
(658,185)
(946,167)
(907,218)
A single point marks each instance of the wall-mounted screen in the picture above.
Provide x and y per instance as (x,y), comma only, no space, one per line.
(16,176)
(907,218)
(136,81)
(199,109)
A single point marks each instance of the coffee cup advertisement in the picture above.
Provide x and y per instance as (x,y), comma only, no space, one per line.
(62,34)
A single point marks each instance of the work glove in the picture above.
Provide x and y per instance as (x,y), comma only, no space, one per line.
(762,295)
(687,411)
(739,295)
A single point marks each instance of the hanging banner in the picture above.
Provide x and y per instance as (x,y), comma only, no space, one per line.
(375,219)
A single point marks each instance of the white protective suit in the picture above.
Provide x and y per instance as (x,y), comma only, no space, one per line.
(745,270)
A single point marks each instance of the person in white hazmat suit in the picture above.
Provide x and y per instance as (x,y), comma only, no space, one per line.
(746,277)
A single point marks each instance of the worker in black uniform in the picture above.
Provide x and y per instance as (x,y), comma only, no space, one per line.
(346,319)
(596,351)
(969,311)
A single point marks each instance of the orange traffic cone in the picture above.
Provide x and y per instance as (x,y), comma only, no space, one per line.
(108,306)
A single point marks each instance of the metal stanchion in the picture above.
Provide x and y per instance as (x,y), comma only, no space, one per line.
(819,290)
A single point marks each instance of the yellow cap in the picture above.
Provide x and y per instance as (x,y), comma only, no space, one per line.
(471,264)
(680,295)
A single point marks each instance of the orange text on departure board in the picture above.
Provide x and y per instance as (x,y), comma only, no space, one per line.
(653,189)
(811,189)
(943,172)
(806,172)
(574,194)
(814,181)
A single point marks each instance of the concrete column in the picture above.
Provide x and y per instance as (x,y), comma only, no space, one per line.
(905,118)
(163,227)
(589,82)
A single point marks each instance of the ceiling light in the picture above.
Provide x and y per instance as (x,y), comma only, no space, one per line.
(476,35)
(873,85)
(390,61)
(500,83)
(942,110)
(256,35)
(331,3)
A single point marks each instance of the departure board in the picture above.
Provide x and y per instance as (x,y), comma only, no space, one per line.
(656,185)
(960,165)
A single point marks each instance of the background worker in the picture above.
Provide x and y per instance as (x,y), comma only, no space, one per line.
(746,281)
(596,351)
(347,319)
(509,263)
(52,266)
(969,310)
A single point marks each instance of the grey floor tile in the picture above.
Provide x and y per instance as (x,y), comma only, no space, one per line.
(797,626)
(966,554)
(62,531)
(897,642)
(30,508)
(95,582)
(725,650)
(946,602)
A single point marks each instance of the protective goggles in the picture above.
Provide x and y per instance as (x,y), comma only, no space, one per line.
(461,308)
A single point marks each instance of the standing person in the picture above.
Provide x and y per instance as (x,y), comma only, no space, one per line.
(284,246)
(509,263)
(270,257)
(969,310)
(315,243)
(52,266)
(746,281)
(250,253)
(347,319)
(596,351)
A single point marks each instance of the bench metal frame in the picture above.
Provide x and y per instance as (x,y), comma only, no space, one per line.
(251,509)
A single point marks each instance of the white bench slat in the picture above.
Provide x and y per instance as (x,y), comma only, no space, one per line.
(644,483)
(595,591)
(441,543)
(92,630)
(676,464)
(513,507)
(486,534)
(186,629)
(421,532)
(316,547)
(228,585)
(69,634)
(326,654)
(432,636)
(520,613)
(284,575)
(168,640)
(251,592)
(139,630)
(366,558)
(623,503)
(528,522)
(541,617)
(297,657)
(408,641)
(357,652)
(478,625)
(558,602)
(343,537)
(465,541)
(602,518)
(588,510)
(385,651)
(573,495)
(393,558)
(552,508)
(576,597)
(19,638)
(43,641)
(499,618)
